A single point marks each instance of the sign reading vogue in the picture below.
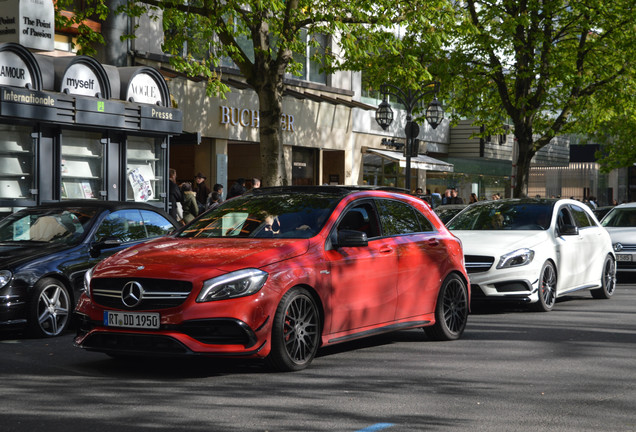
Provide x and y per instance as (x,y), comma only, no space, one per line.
(28,22)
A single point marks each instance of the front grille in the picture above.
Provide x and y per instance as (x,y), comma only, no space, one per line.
(157,293)
(134,344)
(478,263)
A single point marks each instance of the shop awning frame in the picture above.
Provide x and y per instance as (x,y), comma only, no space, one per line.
(422,162)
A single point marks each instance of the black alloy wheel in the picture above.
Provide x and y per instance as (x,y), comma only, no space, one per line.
(295,332)
(608,280)
(547,288)
(451,311)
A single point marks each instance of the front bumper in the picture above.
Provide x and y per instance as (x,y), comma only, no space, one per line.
(13,310)
(512,284)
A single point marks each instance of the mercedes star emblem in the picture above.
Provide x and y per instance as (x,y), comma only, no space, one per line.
(131,294)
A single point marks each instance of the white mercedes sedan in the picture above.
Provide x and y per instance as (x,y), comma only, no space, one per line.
(534,250)
(620,222)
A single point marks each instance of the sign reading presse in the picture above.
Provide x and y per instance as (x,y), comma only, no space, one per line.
(28,22)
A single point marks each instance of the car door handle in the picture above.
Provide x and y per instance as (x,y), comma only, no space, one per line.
(386,250)
(432,242)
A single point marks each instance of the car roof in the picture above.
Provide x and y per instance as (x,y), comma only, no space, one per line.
(100,204)
(337,191)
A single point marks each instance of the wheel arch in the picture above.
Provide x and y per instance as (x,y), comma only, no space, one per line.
(317,300)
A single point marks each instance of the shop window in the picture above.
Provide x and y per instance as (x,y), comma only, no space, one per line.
(82,165)
(16,162)
(144,169)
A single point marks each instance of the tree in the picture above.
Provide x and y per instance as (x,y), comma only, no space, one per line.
(263,39)
(549,66)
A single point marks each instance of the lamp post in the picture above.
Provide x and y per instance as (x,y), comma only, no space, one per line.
(410,99)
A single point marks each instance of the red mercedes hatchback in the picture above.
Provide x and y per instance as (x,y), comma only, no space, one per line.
(277,273)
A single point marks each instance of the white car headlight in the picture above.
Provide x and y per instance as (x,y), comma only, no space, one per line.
(232,285)
(516,258)
(5,277)
(87,281)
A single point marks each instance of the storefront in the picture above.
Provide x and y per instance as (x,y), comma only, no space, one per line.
(72,128)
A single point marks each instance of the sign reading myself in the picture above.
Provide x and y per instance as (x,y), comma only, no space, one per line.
(28,22)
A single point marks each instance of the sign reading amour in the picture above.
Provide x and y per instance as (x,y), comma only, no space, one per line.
(80,79)
(28,22)
(250,118)
(144,89)
(13,70)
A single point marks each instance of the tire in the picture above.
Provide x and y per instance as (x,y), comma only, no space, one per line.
(295,332)
(547,288)
(451,310)
(608,280)
(50,308)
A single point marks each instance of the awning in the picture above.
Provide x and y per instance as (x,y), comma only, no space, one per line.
(422,162)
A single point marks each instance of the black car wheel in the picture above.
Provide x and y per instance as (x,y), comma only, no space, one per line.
(608,280)
(49,309)
(295,332)
(451,311)
(547,288)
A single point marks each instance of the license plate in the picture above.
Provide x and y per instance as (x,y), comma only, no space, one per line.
(622,257)
(146,320)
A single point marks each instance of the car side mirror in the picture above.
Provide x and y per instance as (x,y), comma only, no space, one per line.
(107,243)
(352,238)
(567,229)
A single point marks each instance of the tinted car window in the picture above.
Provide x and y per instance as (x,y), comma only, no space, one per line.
(397,218)
(283,215)
(65,226)
(507,215)
(580,216)
(156,225)
(620,217)
(124,225)
(361,217)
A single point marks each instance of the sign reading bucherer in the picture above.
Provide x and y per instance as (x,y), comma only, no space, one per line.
(29,23)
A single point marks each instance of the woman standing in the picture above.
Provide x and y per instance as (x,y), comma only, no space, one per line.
(190,206)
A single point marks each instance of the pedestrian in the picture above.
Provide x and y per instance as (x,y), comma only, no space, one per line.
(473,198)
(238,188)
(190,206)
(446,199)
(202,190)
(454,198)
(256,183)
(175,197)
(213,200)
(218,188)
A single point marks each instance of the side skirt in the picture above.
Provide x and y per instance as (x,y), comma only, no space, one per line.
(380,330)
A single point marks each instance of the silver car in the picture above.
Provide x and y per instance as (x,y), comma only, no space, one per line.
(620,222)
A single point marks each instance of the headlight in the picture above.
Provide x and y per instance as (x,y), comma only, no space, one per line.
(87,281)
(517,258)
(236,284)
(5,277)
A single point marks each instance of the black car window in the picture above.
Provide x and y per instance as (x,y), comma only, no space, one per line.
(398,217)
(620,217)
(361,217)
(124,225)
(156,225)
(54,225)
(564,218)
(580,216)
(266,215)
(504,215)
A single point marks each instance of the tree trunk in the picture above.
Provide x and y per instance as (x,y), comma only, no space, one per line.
(524,156)
(271,146)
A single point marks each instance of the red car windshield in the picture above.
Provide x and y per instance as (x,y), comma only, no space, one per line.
(279,215)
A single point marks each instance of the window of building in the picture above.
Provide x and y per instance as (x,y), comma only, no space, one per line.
(312,60)
(82,166)
(16,162)
(144,169)
(380,171)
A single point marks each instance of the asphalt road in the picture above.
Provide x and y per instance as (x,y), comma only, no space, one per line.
(573,369)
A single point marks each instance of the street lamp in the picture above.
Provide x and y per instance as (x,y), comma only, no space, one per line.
(410,100)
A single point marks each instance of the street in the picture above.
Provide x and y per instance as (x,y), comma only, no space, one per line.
(572,369)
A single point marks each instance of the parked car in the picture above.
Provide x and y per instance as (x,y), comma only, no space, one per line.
(600,212)
(620,222)
(534,250)
(278,272)
(45,251)
(447,211)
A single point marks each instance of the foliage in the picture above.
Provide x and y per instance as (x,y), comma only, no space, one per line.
(547,67)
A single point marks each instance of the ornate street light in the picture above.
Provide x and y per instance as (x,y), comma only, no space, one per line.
(384,114)
(410,100)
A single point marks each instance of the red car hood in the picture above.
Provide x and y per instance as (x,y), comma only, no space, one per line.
(185,258)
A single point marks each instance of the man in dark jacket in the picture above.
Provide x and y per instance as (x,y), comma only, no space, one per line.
(202,190)
(174,194)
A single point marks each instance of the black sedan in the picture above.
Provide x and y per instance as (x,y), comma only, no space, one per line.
(45,251)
